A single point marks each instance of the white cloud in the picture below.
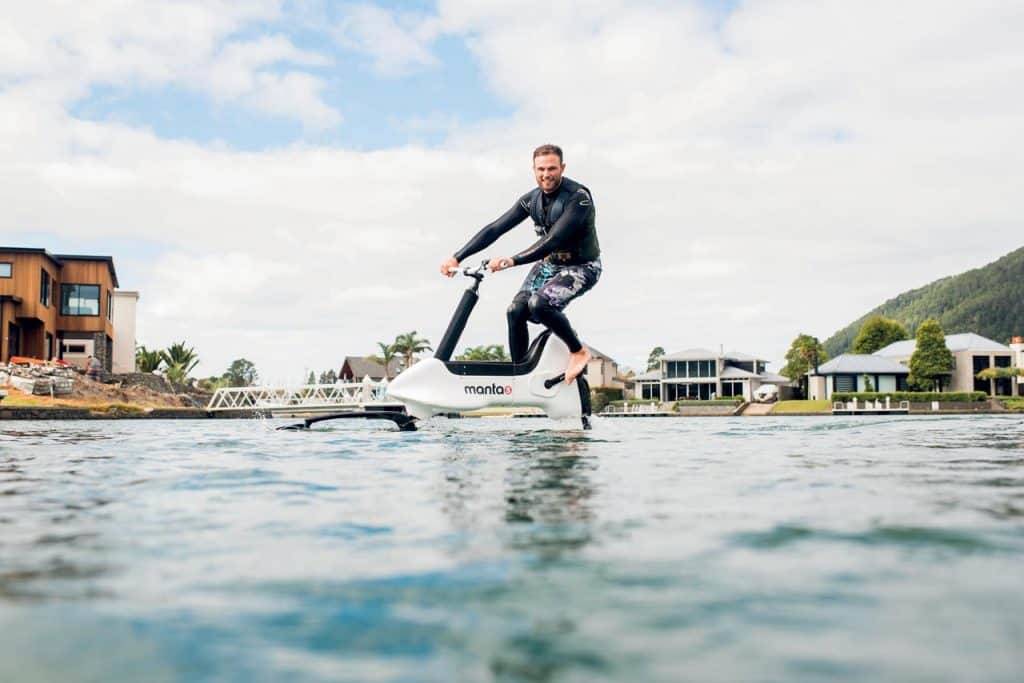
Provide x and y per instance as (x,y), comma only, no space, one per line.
(397,42)
(64,50)
(822,157)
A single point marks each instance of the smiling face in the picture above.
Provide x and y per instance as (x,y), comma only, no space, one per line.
(547,168)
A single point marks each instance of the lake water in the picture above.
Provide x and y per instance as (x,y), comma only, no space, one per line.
(776,549)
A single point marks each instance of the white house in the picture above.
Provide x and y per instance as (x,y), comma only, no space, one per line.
(972,353)
(856,372)
(703,374)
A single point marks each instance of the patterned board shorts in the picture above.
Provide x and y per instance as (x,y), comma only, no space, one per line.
(559,284)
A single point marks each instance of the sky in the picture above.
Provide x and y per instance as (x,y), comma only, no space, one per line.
(281,179)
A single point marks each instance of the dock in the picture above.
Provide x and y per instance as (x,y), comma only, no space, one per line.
(876,407)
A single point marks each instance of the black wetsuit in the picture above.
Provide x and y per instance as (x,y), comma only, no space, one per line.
(567,256)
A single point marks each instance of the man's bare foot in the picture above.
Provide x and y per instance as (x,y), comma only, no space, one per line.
(577,364)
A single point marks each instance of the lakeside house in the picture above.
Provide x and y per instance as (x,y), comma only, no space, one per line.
(703,374)
(603,371)
(65,306)
(888,368)
(972,353)
(355,368)
(856,372)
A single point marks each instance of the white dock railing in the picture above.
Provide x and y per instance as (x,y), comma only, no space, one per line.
(311,397)
(876,406)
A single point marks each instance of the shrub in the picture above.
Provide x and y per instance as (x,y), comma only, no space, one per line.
(913,396)
(601,397)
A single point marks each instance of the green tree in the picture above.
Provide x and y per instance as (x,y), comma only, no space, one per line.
(931,360)
(654,359)
(1000,373)
(312,378)
(387,353)
(212,384)
(146,360)
(241,373)
(877,333)
(180,361)
(409,344)
(805,353)
(494,352)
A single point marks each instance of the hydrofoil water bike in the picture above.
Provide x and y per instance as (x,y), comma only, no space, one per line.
(440,386)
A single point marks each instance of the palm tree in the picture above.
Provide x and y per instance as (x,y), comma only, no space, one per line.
(492,352)
(180,361)
(408,345)
(387,354)
(146,360)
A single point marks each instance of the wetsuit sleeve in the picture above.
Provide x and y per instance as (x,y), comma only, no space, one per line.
(570,227)
(493,231)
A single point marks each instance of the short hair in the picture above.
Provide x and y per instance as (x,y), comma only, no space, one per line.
(548,149)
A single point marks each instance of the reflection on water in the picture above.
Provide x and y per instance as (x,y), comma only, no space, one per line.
(547,488)
(717,549)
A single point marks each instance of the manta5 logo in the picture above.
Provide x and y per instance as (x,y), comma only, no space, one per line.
(489,390)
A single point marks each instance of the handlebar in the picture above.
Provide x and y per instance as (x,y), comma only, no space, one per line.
(472,272)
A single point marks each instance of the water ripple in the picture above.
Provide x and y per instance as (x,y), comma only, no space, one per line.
(707,549)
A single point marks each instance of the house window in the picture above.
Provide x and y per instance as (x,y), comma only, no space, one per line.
(980,363)
(845,383)
(5,269)
(650,391)
(110,306)
(44,288)
(79,299)
(732,389)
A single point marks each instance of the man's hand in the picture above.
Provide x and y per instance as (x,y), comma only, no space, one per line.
(449,266)
(501,263)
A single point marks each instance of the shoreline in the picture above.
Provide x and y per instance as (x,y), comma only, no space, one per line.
(19,413)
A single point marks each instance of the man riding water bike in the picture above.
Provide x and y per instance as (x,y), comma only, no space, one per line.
(566,257)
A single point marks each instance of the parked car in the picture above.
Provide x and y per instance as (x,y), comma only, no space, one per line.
(766,393)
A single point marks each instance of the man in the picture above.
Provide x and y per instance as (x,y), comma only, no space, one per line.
(566,256)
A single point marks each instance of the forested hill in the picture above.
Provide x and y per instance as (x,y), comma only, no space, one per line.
(988,301)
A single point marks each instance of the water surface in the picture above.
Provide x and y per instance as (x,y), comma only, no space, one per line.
(514,550)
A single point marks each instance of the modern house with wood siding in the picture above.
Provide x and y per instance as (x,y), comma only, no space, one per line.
(56,306)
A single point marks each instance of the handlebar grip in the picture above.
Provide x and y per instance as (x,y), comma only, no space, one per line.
(548,383)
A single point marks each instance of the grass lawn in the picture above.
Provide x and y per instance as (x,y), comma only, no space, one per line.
(783,407)
(1015,404)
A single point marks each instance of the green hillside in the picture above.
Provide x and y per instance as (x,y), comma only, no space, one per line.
(988,301)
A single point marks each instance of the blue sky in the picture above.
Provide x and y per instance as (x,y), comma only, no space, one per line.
(419,105)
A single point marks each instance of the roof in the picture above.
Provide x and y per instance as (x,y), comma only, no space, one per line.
(692,354)
(598,354)
(30,250)
(362,366)
(60,258)
(706,354)
(737,373)
(860,363)
(737,355)
(965,341)
(649,376)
